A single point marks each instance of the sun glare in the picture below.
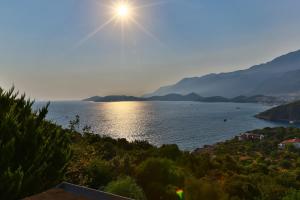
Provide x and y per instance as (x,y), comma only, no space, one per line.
(123,10)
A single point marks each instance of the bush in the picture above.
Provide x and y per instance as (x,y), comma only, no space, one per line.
(34,153)
(99,173)
(241,187)
(170,151)
(201,189)
(157,175)
(126,187)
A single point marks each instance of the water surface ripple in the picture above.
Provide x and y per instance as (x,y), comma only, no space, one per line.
(188,124)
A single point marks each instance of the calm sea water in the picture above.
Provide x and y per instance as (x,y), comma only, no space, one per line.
(188,124)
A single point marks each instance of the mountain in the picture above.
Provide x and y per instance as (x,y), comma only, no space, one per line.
(288,112)
(175,97)
(279,77)
(189,97)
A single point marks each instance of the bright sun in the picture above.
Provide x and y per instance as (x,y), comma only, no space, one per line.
(122,10)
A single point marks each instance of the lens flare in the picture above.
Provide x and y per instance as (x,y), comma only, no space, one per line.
(123,10)
(179,192)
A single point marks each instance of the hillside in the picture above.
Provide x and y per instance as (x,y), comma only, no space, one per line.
(234,169)
(277,77)
(288,112)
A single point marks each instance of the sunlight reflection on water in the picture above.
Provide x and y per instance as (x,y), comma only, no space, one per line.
(188,124)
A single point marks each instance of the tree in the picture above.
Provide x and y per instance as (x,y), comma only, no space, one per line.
(157,176)
(170,151)
(34,152)
(126,187)
(99,173)
(75,123)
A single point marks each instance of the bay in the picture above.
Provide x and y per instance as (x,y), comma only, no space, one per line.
(188,124)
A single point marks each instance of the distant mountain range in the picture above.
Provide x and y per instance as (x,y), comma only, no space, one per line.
(288,112)
(279,77)
(189,97)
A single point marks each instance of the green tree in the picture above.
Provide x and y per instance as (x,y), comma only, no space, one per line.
(170,151)
(34,152)
(126,187)
(157,176)
(99,173)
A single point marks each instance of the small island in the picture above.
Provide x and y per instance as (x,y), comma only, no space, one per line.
(285,113)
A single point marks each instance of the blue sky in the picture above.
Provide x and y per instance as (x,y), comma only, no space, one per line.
(38,52)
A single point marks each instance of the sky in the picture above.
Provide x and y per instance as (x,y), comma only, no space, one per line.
(43,50)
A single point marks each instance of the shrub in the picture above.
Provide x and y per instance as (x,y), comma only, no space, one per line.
(241,187)
(126,187)
(202,189)
(170,151)
(99,173)
(157,175)
(34,153)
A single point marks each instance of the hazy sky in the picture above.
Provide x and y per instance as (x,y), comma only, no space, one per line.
(39,50)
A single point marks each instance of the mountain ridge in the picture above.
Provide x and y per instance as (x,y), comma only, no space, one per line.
(248,82)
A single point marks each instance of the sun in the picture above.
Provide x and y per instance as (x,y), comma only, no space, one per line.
(124,13)
(123,10)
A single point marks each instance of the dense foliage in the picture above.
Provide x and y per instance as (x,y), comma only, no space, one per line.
(34,152)
(231,170)
(125,186)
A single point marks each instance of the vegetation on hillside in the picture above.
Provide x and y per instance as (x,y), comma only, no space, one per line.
(288,112)
(36,155)
(231,170)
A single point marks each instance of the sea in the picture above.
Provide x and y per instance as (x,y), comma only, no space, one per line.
(190,125)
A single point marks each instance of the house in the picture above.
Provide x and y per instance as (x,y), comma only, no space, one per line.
(295,142)
(250,136)
(68,191)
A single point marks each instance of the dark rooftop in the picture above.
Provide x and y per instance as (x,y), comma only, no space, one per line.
(67,191)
